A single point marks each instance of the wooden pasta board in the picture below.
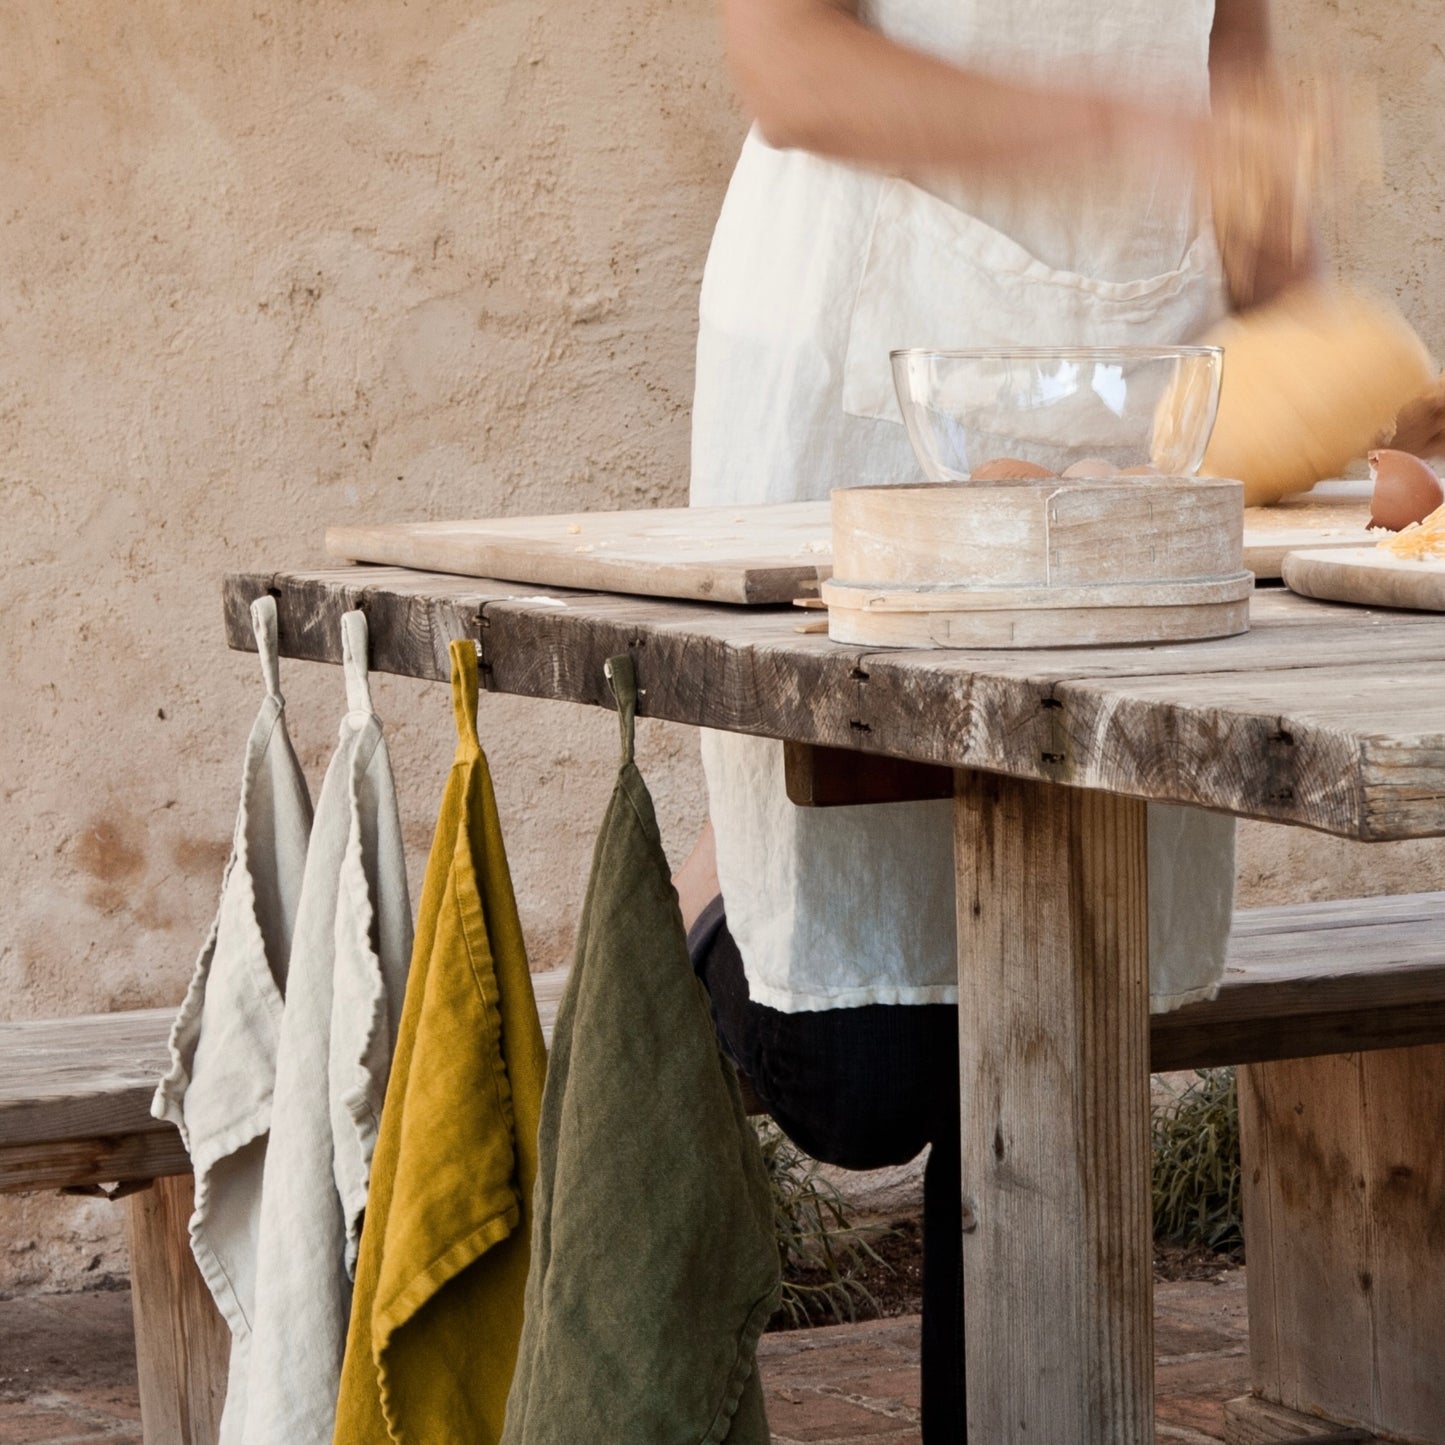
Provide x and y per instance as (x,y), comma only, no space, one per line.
(1334,514)
(756,555)
(714,554)
(1367,575)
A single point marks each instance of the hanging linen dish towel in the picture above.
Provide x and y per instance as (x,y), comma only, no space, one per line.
(654,1266)
(217,1091)
(343,1003)
(437,1311)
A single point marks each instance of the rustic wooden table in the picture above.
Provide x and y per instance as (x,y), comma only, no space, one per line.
(1322,716)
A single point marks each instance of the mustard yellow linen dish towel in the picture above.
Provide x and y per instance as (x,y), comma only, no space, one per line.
(654,1265)
(437,1310)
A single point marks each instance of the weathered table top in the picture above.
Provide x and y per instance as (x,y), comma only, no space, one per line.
(1324,715)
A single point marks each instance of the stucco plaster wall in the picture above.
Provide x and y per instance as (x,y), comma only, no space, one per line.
(268,267)
(275,266)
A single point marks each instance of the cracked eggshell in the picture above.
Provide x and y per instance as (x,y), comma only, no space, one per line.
(1406,489)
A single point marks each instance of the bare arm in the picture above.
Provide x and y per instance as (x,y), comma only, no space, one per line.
(1277,249)
(817,79)
(1239,42)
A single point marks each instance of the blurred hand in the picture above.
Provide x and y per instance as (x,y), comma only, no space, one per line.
(1420,427)
(1263,158)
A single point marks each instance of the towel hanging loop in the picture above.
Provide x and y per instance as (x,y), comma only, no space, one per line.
(621,675)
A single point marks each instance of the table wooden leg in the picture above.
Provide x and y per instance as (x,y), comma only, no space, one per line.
(1344,1200)
(1054,1057)
(182,1345)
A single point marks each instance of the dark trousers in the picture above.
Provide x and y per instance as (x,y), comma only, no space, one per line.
(863,1088)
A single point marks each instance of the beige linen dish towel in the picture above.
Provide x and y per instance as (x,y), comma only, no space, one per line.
(217,1090)
(343,1001)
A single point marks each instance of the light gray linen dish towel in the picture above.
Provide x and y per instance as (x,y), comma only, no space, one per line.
(218,1088)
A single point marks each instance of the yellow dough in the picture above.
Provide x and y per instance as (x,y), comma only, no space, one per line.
(1311,382)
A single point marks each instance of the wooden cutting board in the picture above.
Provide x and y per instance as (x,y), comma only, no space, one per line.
(1367,575)
(1333,514)
(756,555)
(716,554)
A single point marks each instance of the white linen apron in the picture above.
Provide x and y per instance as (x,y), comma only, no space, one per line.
(217,1091)
(344,993)
(816,271)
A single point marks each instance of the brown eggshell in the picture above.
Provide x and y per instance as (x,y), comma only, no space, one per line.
(1406,490)
(1142,470)
(1094,468)
(1009,469)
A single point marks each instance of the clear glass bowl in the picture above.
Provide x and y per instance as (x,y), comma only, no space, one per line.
(1128,406)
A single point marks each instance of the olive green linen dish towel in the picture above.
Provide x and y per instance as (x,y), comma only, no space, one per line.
(654,1266)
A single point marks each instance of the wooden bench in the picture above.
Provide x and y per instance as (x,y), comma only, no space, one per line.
(75,1100)
(75,1115)
(75,1097)
(1308,979)
(1317,979)
(1336,1011)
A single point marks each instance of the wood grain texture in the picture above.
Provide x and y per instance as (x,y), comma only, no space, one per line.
(836,778)
(1029,534)
(1032,563)
(1252,1421)
(412,617)
(82,1078)
(1368,575)
(1345,1221)
(114,1159)
(1053,1043)
(718,554)
(772,554)
(1265,551)
(182,1344)
(1333,514)
(1403,1094)
(1276,1195)
(956,618)
(1321,715)
(1317,978)
(75,1098)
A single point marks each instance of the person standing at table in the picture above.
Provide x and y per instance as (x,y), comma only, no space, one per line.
(944,173)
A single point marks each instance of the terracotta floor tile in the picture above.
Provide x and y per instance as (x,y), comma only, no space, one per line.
(67,1372)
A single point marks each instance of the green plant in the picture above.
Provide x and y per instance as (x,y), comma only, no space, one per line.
(1196,1165)
(822,1249)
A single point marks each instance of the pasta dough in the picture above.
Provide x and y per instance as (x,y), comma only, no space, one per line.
(1311,382)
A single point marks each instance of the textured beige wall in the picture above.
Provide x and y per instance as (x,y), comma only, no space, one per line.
(273,266)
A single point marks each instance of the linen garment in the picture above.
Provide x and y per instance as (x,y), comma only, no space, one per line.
(654,1264)
(218,1088)
(344,994)
(437,1312)
(817,270)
